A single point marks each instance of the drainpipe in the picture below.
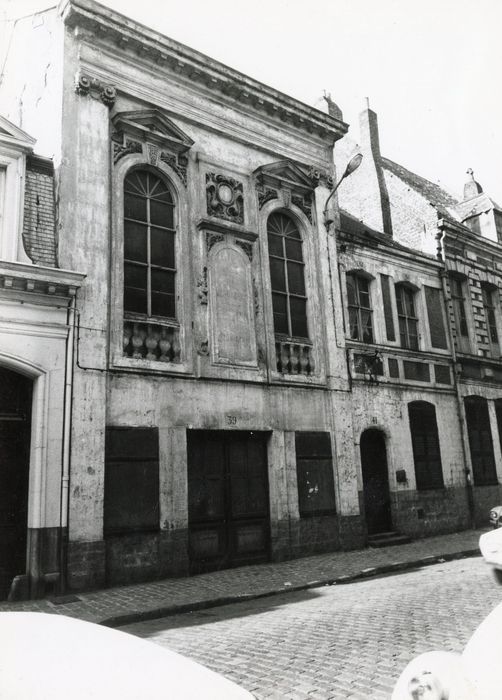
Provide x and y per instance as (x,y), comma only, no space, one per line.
(65,475)
(463,428)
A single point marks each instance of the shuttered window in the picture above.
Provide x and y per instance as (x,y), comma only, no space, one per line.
(480,440)
(131,502)
(488,294)
(387,307)
(314,468)
(435,313)
(425,441)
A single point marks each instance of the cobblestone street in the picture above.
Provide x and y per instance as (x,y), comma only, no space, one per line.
(345,641)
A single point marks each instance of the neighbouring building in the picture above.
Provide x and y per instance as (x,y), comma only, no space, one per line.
(247,383)
(423,275)
(36,301)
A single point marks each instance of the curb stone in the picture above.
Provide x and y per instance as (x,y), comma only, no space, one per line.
(371,572)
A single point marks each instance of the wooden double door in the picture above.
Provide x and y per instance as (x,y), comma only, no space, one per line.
(228,499)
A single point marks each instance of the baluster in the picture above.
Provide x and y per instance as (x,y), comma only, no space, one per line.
(127,337)
(294,359)
(304,359)
(138,337)
(165,346)
(175,346)
(151,343)
(284,358)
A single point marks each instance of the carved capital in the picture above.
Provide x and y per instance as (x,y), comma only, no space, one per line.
(122,149)
(87,86)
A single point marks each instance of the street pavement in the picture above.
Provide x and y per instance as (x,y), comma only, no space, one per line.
(339,641)
(125,604)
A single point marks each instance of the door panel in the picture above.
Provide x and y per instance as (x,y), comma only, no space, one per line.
(377,504)
(228,499)
(15,411)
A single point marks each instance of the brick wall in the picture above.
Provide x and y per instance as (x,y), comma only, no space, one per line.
(39,212)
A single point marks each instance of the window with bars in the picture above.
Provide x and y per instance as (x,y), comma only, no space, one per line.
(480,440)
(489,304)
(359,305)
(149,247)
(287,274)
(408,321)
(425,442)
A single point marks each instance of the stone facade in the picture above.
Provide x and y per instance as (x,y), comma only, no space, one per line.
(224,405)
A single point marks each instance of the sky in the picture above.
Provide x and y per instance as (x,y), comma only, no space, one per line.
(430,68)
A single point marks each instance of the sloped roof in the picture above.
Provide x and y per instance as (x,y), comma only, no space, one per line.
(442,200)
(365,235)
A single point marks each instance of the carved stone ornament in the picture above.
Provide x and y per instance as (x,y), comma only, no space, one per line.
(265,194)
(203,348)
(86,85)
(212,239)
(179,163)
(153,153)
(225,198)
(202,287)
(319,176)
(121,149)
(246,247)
(304,203)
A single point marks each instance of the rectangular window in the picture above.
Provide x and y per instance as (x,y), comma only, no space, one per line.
(359,305)
(408,321)
(314,469)
(387,307)
(131,502)
(489,304)
(442,374)
(393,367)
(417,371)
(435,313)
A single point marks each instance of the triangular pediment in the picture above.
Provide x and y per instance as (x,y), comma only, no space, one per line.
(153,126)
(14,136)
(285,173)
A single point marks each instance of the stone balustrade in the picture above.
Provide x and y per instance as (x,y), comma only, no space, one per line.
(151,341)
(294,357)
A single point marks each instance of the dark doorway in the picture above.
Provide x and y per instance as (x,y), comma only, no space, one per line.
(375,482)
(15,424)
(228,502)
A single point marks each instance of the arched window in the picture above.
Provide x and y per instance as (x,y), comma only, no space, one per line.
(149,246)
(408,320)
(359,305)
(289,299)
(425,441)
(480,440)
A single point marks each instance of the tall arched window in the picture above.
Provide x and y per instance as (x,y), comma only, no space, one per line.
(425,441)
(480,440)
(289,299)
(408,320)
(149,246)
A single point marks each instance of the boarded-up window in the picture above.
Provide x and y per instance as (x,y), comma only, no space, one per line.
(131,480)
(425,441)
(387,307)
(480,440)
(416,371)
(314,468)
(393,367)
(435,314)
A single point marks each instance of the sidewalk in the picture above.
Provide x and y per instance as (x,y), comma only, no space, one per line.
(125,604)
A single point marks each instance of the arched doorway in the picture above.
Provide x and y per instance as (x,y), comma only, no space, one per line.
(377,506)
(15,429)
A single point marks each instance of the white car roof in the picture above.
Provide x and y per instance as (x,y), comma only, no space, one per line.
(52,657)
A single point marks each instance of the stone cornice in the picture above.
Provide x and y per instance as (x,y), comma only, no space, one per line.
(19,280)
(110,28)
(476,242)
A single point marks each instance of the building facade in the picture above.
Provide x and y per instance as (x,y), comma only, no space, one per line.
(247,383)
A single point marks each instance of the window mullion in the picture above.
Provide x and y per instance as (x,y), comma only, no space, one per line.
(286,281)
(148,259)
